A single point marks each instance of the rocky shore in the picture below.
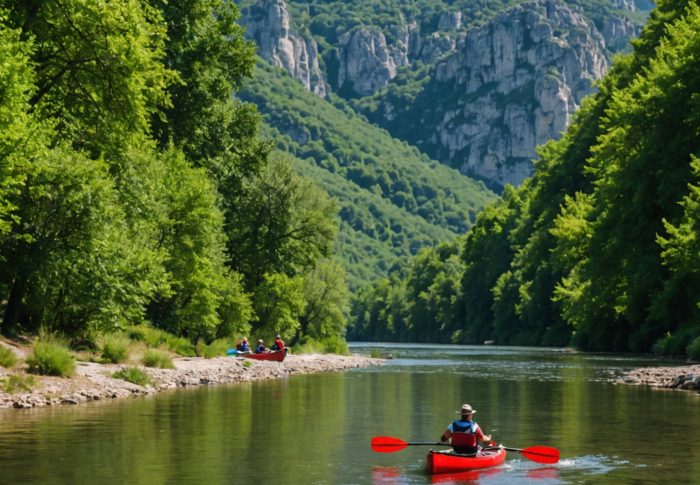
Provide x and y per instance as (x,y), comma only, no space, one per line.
(685,377)
(93,381)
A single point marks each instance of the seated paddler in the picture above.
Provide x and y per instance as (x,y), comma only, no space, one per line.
(464,433)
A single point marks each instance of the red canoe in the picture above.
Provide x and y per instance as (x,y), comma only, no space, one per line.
(449,462)
(277,356)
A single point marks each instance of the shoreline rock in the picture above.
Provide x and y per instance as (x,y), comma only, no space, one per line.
(93,381)
(684,378)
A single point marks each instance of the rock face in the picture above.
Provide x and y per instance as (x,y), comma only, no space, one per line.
(509,86)
(366,62)
(267,23)
(495,92)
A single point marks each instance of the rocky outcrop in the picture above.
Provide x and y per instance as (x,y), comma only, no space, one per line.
(685,378)
(366,62)
(434,46)
(267,23)
(509,86)
(617,32)
(495,92)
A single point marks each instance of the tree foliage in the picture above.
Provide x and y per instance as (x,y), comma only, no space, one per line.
(599,248)
(132,179)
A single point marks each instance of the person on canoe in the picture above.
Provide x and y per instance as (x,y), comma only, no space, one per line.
(260,349)
(244,346)
(278,344)
(464,433)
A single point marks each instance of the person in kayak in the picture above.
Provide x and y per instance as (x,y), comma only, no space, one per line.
(464,434)
(278,344)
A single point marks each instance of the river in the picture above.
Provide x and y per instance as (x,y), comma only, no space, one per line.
(316,429)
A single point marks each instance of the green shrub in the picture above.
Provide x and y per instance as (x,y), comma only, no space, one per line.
(375,354)
(115,348)
(335,345)
(248,363)
(328,345)
(217,348)
(51,357)
(155,338)
(18,382)
(133,375)
(7,357)
(157,358)
(309,346)
(694,349)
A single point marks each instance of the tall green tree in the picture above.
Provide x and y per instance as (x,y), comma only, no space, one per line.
(99,70)
(191,238)
(282,224)
(680,298)
(327,301)
(642,165)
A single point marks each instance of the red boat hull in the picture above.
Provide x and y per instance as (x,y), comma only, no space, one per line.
(277,356)
(448,462)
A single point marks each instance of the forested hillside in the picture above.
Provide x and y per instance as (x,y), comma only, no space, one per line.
(600,247)
(135,188)
(476,85)
(393,200)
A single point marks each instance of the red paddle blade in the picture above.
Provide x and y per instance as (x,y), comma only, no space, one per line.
(387,444)
(541,454)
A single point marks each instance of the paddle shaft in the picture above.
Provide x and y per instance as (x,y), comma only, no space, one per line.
(427,443)
(520,450)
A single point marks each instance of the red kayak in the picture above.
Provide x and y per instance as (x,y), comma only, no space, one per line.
(449,462)
(277,356)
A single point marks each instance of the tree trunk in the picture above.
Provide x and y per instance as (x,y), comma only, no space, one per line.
(13,308)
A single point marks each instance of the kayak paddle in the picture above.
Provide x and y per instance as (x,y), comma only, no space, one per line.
(389,444)
(539,454)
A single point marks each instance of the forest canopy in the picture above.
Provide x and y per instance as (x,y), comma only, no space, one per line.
(135,187)
(599,248)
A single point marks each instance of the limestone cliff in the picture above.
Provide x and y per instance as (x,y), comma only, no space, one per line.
(267,23)
(509,86)
(484,97)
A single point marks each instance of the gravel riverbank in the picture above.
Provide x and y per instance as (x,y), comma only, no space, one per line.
(93,381)
(685,377)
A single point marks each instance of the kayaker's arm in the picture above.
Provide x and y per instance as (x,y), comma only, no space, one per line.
(446,435)
(483,437)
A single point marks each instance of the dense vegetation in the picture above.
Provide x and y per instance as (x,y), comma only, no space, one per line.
(393,200)
(600,247)
(134,187)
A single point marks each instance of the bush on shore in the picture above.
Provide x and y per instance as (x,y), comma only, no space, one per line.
(694,349)
(7,358)
(18,382)
(115,348)
(218,348)
(328,345)
(133,375)
(155,338)
(157,358)
(51,357)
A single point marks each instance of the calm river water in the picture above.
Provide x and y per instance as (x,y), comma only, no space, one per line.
(316,429)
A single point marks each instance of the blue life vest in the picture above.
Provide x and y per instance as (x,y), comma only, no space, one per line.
(460,426)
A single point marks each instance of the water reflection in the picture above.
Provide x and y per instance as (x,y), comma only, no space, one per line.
(316,429)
